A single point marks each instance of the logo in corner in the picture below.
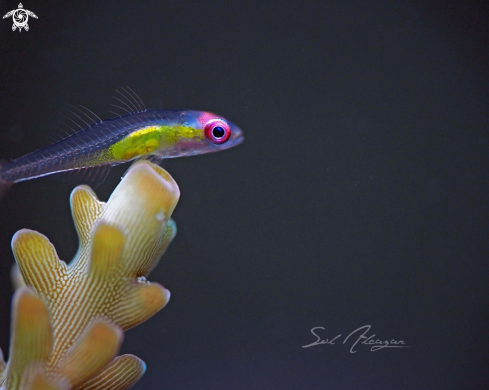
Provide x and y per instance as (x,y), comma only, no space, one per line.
(20,16)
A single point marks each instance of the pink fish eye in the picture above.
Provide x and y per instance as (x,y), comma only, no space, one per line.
(217,131)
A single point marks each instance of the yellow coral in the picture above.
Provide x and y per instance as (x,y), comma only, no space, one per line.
(66,335)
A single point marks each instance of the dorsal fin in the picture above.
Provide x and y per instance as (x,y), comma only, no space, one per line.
(126,101)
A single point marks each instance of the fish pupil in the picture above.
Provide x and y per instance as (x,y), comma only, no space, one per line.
(218,132)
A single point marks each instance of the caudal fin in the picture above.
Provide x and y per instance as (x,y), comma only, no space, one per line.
(4,185)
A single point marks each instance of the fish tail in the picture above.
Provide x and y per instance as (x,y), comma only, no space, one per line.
(4,185)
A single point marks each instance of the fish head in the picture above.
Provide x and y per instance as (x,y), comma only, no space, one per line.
(200,132)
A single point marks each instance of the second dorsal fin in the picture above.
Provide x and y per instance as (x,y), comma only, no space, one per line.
(73,118)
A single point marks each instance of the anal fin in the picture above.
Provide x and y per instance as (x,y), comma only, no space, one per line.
(92,176)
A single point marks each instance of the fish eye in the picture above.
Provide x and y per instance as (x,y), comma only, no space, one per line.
(217,131)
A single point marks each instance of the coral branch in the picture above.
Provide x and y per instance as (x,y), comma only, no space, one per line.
(123,372)
(67,332)
(31,335)
(80,363)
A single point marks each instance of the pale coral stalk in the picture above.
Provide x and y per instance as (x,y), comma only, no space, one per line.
(67,324)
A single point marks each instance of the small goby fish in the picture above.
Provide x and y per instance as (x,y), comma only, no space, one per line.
(151,134)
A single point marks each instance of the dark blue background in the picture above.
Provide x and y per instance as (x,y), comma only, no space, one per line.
(360,195)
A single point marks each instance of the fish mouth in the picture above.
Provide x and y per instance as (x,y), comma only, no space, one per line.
(236,138)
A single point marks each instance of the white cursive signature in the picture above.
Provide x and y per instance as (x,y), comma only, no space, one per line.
(363,339)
